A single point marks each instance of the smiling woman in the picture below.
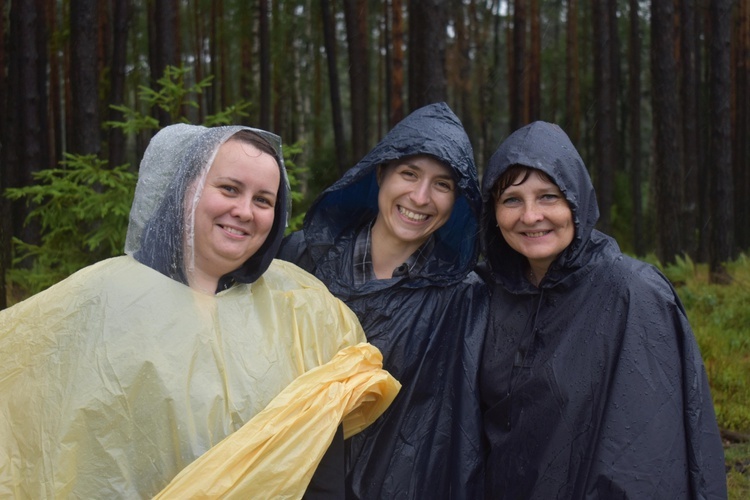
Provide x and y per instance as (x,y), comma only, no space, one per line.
(235,211)
(161,367)
(396,238)
(591,379)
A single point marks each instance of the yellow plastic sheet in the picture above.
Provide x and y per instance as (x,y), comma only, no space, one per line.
(275,454)
(117,378)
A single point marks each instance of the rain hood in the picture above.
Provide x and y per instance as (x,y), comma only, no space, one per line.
(593,384)
(429,326)
(119,377)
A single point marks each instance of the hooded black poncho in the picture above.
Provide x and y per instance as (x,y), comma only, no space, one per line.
(593,383)
(429,327)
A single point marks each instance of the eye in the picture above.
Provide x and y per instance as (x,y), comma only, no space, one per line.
(228,189)
(549,197)
(265,201)
(408,174)
(509,201)
(444,186)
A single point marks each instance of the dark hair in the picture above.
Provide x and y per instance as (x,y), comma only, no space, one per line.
(255,139)
(514,172)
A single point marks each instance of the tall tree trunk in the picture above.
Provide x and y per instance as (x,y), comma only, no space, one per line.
(396,82)
(518,71)
(247,74)
(572,82)
(265,65)
(689,105)
(84,77)
(54,112)
(329,35)
(355,15)
(741,129)
(535,64)
(121,17)
(165,45)
(605,144)
(634,100)
(25,149)
(427,25)
(667,177)
(722,243)
(5,225)
(198,56)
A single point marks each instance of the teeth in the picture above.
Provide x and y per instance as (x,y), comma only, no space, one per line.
(411,215)
(233,230)
(537,234)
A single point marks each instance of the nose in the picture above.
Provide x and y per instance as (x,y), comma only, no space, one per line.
(420,195)
(531,214)
(242,209)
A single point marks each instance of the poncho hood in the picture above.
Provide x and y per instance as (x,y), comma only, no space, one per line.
(432,130)
(177,157)
(546,147)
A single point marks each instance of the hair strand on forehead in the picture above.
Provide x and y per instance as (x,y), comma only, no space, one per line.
(515,176)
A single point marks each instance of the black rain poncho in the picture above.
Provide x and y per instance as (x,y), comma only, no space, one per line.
(120,377)
(429,327)
(593,383)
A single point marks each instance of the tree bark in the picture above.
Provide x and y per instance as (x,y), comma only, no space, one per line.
(667,179)
(518,70)
(396,82)
(535,63)
(605,144)
(121,17)
(427,24)
(634,101)
(355,15)
(329,36)
(86,138)
(572,82)
(741,128)
(265,65)
(722,242)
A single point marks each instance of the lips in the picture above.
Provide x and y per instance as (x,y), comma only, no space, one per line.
(233,231)
(413,216)
(536,234)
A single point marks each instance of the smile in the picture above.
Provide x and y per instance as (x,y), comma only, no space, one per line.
(537,234)
(412,215)
(232,230)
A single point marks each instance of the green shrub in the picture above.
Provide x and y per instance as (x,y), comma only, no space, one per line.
(82,207)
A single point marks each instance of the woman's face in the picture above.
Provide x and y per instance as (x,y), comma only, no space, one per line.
(416,198)
(535,220)
(235,212)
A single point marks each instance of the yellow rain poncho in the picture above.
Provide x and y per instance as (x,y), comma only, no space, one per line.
(119,377)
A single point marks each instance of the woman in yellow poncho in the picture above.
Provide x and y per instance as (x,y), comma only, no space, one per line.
(117,378)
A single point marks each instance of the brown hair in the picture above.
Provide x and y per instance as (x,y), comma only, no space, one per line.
(514,172)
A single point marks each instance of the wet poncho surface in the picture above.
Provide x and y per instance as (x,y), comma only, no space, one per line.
(429,326)
(593,383)
(117,378)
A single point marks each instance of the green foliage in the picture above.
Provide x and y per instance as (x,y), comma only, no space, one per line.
(737,458)
(294,172)
(720,317)
(82,207)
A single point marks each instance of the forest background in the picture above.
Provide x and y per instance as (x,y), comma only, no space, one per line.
(654,94)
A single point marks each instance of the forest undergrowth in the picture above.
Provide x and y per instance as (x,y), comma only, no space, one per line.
(720,317)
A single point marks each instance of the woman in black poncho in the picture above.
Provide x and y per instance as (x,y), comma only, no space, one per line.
(591,378)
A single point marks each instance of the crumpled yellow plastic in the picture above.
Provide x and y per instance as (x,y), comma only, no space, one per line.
(117,378)
(275,454)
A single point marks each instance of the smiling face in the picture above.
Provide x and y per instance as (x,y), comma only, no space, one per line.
(416,198)
(535,220)
(235,212)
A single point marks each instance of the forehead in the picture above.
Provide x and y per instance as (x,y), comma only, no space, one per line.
(426,163)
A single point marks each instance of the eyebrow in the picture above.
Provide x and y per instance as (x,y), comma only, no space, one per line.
(447,176)
(240,183)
